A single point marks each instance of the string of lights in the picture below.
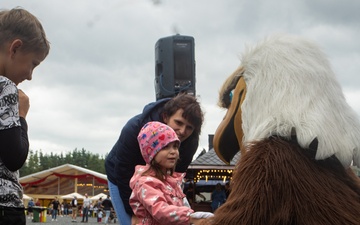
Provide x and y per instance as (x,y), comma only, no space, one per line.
(213,174)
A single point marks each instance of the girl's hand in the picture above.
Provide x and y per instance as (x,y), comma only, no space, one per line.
(198,218)
(201,215)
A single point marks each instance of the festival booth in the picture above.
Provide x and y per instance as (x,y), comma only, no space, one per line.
(62,180)
(205,172)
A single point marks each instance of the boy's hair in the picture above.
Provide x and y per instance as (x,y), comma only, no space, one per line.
(20,24)
(190,106)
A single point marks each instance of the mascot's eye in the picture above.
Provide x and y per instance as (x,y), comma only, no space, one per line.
(227,98)
(231,94)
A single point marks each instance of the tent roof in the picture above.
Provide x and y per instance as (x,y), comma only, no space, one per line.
(64,179)
(210,160)
(101,195)
(66,169)
(210,167)
(26,197)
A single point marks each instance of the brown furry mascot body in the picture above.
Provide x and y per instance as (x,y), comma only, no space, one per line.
(280,183)
(297,137)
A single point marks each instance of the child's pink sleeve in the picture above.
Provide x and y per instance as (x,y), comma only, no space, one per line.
(155,202)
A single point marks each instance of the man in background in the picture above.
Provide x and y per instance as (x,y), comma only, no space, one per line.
(55,203)
(74,209)
(107,205)
(85,208)
(30,209)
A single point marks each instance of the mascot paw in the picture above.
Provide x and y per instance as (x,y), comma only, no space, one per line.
(201,215)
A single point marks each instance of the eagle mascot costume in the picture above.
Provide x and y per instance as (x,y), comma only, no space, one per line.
(298,137)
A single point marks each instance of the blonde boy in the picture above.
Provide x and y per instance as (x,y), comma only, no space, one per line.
(23,46)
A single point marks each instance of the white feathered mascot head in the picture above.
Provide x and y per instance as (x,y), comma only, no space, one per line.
(298,136)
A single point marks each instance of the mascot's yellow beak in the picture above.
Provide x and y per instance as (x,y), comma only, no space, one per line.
(229,134)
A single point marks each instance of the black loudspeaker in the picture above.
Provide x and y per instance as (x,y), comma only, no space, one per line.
(174,66)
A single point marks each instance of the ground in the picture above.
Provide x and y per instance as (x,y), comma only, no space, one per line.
(67,220)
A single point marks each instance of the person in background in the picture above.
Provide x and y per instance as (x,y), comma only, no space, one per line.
(112,218)
(74,206)
(23,46)
(157,197)
(218,197)
(85,208)
(61,210)
(106,205)
(227,189)
(91,210)
(99,202)
(37,202)
(97,206)
(49,209)
(31,204)
(191,193)
(55,207)
(183,114)
(100,216)
(66,207)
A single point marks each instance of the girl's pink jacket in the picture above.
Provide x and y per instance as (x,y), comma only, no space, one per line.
(155,202)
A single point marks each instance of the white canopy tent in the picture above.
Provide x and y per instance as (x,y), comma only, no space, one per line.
(71,196)
(96,197)
(26,197)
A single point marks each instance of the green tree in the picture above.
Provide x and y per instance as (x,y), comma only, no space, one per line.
(39,161)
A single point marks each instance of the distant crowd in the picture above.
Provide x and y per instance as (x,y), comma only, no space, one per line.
(102,209)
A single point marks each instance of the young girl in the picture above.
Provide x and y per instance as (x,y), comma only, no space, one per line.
(99,216)
(157,197)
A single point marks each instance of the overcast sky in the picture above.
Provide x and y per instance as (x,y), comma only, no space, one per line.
(101,67)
